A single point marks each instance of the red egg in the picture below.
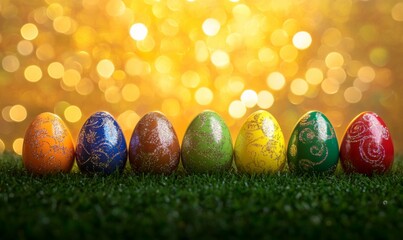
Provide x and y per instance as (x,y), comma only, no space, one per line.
(367,146)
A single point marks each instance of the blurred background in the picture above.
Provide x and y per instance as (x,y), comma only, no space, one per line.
(130,57)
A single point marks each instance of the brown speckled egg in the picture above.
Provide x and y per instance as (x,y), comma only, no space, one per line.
(48,146)
(154,146)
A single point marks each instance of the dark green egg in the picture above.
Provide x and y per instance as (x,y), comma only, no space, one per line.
(313,146)
(207,144)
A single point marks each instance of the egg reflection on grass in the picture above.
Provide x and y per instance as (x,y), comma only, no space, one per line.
(182,57)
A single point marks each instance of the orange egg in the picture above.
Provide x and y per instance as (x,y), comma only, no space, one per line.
(48,146)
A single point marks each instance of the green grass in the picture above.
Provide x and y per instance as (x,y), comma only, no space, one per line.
(198,206)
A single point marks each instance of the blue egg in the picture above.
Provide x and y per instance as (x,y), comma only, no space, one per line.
(101,146)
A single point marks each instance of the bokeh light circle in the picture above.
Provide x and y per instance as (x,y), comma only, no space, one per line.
(33,73)
(29,31)
(10,63)
(275,81)
(249,98)
(72,113)
(2,146)
(138,31)
(211,27)
(204,96)
(18,113)
(302,40)
(17,145)
(265,99)
(105,68)
(237,109)
(299,87)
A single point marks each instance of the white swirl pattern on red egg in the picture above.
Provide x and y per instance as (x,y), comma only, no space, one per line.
(362,132)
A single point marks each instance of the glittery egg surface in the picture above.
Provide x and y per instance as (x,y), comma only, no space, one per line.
(48,146)
(154,145)
(313,146)
(101,146)
(367,146)
(207,144)
(260,146)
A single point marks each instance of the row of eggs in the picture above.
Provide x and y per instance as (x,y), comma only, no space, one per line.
(260,147)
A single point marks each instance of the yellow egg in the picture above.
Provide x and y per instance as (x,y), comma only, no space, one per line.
(260,145)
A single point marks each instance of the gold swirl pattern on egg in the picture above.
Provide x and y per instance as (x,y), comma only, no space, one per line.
(313,145)
(260,145)
(101,146)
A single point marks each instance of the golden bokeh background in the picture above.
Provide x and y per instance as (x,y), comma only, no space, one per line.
(130,57)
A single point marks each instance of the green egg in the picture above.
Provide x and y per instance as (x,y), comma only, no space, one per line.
(313,146)
(207,144)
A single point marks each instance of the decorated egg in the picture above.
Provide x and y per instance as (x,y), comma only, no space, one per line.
(154,146)
(367,146)
(207,144)
(260,146)
(48,146)
(313,146)
(101,146)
